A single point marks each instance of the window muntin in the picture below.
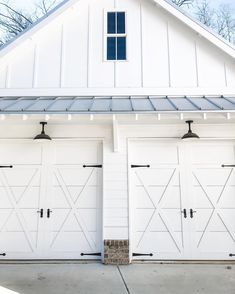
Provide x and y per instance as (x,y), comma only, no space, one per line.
(116,36)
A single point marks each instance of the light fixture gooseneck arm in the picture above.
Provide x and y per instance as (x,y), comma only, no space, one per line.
(43,127)
(189,126)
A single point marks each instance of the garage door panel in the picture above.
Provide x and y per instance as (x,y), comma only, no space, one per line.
(146,199)
(174,219)
(211,177)
(77,153)
(59,199)
(21,177)
(56,183)
(157,200)
(219,154)
(12,242)
(4,215)
(159,243)
(156,177)
(12,223)
(5,201)
(201,200)
(29,198)
(64,220)
(76,199)
(21,153)
(226,197)
(78,176)
(213,223)
(142,218)
(205,217)
(199,184)
(77,242)
(90,219)
(210,244)
(155,153)
(172,202)
(88,198)
(31,218)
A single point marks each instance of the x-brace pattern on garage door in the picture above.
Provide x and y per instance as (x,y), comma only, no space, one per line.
(215,207)
(16,207)
(74,209)
(158,210)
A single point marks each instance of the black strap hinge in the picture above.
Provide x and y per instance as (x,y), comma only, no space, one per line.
(142,254)
(94,166)
(3,254)
(231,255)
(137,166)
(228,165)
(6,166)
(90,254)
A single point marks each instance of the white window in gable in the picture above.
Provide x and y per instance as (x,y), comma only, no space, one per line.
(116,36)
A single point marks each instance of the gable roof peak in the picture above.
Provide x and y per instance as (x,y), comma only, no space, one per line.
(167,5)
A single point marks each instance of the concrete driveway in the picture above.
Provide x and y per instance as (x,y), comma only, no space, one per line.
(135,279)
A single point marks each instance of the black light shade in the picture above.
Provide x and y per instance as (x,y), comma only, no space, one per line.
(43,136)
(190,134)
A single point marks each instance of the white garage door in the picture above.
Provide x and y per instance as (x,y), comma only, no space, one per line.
(183,200)
(50,200)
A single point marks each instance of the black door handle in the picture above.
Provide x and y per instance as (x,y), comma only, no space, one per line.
(184,211)
(3,254)
(49,213)
(192,213)
(41,213)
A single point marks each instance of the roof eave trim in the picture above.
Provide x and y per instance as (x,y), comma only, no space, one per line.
(199,28)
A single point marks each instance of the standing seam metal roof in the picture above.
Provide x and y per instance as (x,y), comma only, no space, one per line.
(121,104)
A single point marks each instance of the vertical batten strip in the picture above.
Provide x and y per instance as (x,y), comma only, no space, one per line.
(196,63)
(88,45)
(169,54)
(35,66)
(8,76)
(141,46)
(62,57)
(225,75)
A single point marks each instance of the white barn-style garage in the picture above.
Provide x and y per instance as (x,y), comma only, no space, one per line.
(113,83)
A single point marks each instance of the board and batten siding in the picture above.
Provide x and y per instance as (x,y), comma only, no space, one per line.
(69,53)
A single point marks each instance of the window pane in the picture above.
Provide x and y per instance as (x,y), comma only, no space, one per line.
(111,48)
(121,26)
(111,22)
(121,48)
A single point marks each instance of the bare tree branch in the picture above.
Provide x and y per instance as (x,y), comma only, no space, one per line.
(221,20)
(183,2)
(14,21)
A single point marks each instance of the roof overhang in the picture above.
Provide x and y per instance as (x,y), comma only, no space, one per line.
(117,105)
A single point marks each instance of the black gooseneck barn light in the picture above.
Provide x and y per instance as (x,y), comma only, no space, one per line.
(190,134)
(43,136)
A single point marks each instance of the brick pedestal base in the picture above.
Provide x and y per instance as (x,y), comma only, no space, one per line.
(116,252)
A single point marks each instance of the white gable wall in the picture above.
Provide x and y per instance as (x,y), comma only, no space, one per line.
(68,53)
